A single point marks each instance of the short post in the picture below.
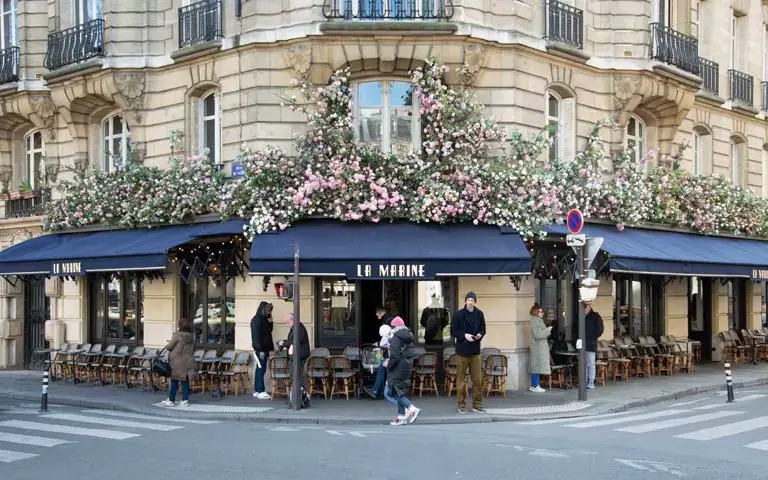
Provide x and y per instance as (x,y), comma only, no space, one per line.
(728,382)
(46,374)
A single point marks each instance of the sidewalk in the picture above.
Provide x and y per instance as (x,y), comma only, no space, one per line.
(25,386)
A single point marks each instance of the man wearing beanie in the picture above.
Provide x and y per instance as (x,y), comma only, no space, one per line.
(468,329)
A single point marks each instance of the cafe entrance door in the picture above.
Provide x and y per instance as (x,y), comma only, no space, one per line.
(394,295)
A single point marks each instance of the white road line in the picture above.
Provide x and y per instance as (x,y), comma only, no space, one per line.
(676,422)
(688,403)
(88,432)
(334,432)
(726,430)
(634,418)
(31,440)
(139,416)
(111,422)
(573,419)
(761,445)
(357,434)
(8,456)
(632,464)
(737,400)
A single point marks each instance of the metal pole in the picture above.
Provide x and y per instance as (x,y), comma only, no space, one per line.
(582,271)
(46,374)
(296,390)
(728,382)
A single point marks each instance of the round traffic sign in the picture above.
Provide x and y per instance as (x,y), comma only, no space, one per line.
(575,221)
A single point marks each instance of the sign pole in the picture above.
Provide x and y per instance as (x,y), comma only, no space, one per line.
(296,387)
(582,272)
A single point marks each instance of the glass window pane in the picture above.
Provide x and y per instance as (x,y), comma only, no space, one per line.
(37,138)
(209,139)
(97,305)
(229,336)
(631,127)
(130,327)
(370,94)
(400,94)
(401,130)
(8,29)
(337,312)
(214,309)
(195,290)
(640,130)
(553,106)
(434,312)
(370,125)
(209,105)
(114,322)
(117,125)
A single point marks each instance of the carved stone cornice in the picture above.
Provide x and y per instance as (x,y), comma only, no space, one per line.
(299,58)
(45,109)
(133,86)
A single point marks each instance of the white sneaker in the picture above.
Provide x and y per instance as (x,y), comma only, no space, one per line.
(398,421)
(536,389)
(591,386)
(264,396)
(185,403)
(168,403)
(412,414)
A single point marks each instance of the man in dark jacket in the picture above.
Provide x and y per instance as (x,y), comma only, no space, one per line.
(468,329)
(384,316)
(261,342)
(399,367)
(303,347)
(593,329)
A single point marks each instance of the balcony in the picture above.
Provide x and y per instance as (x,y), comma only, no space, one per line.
(709,72)
(200,23)
(742,87)
(28,203)
(388,10)
(674,48)
(764,89)
(564,24)
(9,65)
(75,44)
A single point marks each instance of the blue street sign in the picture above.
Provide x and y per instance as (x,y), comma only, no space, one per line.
(238,170)
(575,221)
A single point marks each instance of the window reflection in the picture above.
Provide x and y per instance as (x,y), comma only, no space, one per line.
(435,305)
(211,300)
(337,309)
(385,116)
(117,309)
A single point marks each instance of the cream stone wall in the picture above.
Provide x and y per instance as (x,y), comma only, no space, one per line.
(604,305)
(676,308)
(754,305)
(162,308)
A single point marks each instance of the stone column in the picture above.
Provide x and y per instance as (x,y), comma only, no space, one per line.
(676,308)
(162,308)
(719,317)
(11,325)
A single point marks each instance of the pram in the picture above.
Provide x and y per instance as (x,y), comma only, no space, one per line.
(369,365)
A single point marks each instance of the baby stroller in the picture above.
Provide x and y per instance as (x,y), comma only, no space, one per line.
(369,365)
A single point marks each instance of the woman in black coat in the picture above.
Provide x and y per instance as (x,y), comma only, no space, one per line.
(399,367)
(261,342)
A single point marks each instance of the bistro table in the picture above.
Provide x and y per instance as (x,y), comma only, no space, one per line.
(569,366)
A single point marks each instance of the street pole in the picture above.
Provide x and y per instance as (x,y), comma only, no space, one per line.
(296,390)
(582,273)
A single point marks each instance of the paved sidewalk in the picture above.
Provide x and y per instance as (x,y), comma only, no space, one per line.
(25,386)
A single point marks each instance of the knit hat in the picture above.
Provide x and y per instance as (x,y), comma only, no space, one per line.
(398,322)
(470,295)
(384,330)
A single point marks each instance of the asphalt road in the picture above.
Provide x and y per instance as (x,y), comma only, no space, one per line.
(697,438)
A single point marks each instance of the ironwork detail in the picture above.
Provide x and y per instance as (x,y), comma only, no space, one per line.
(28,206)
(75,44)
(564,24)
(674,48)
(709,72)
(9,65)
(380,10)
(742,87)
(764,89)
(200,22)
(36,312)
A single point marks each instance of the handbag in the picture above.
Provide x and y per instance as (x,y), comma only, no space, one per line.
(162,368)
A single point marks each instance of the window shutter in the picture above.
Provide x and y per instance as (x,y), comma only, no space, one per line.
(195,141)
(568,128)
(707,159)
(18,152)
(219,146)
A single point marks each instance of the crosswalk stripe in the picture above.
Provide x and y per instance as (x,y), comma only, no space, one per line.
(691,402)
(761,445)
(139,416)
(88,432)
(357,434)
(111,422)
(31,440)
(572,419)
(676,422)
(8,456)
(612,421)
(334,432)
(738,400)
(726,430)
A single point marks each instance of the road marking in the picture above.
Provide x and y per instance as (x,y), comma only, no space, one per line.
(688,403)
(111,422)
(669,468)
(738,400)
(357,434)
(139,416)
(676,422)
(334,432)
(761,445)
(8,456)
(88,432)
(612,421)
(632,464)
(31,440)
(726,430)
(573,419)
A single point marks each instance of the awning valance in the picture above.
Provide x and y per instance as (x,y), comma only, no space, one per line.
(401,250)
(658,252)
(109,250)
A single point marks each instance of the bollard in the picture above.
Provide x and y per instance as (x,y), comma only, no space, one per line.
(728,382)
(46,374)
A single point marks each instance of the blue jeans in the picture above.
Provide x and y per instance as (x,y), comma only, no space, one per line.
(258,381)
(381,376)
(402,402)
(175,388)
(534,379)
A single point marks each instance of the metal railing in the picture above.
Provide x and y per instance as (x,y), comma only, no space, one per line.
(709,71)
(75,44)
(28,206)
(564,24)
(200,22)
(674,48)
(742,87)
(403,10)
(9,65)
(764,89)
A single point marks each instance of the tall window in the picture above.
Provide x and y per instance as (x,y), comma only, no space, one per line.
(116,140)
(738,161)
(638,306)
(8,27)
(209,303)
(553,120)
(737,304)
(86,10)
(436,300)
(387,116)
(117,309)
(702,151)
(635,138)
(210,127)
(695,19)
(34,152)
(663,11)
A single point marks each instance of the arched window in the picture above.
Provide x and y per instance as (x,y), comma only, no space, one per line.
(34,151)
(116,141)
(635,138)
(553,120)
(738,161)
(702,151)
(386,114)
(209,128)
(560,112)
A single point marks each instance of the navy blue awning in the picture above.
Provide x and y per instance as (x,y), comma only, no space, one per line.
(400,249)
(109,250)
(656,252)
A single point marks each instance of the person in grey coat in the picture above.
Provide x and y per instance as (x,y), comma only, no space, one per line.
(539,348)
(183,363)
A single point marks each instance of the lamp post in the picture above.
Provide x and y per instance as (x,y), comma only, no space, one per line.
(296,388)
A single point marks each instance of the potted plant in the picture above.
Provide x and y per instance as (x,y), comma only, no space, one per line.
(4,194)
(25,190)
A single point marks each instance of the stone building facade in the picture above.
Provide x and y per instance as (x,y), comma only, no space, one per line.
(99,83)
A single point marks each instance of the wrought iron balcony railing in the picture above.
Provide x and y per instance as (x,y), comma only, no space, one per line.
(28,204)
(200,23)
(75,44)
(9,65)
(764,89)
(674,48)
(709,71)
(564,24)
(395,10)
(742,87)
